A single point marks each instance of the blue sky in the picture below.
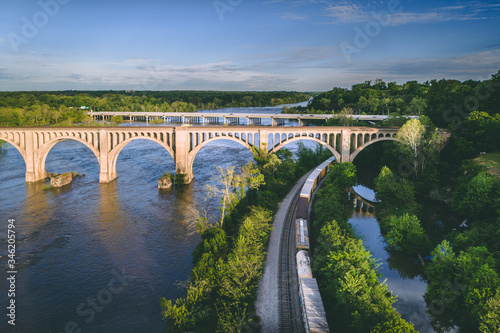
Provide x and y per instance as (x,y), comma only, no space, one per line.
(303,45)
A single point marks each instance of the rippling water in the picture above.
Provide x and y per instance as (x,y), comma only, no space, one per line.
(74,243)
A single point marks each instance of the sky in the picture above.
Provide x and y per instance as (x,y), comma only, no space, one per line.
(297,45)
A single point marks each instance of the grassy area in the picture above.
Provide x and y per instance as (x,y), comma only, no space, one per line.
(492,162)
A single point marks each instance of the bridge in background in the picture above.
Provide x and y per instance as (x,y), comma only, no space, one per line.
(182,142)
(224,118)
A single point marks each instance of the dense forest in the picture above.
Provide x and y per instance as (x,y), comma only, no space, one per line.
(443,101)
(457,251)
(65,107)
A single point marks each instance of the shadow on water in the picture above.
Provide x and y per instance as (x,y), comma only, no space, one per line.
(400,273)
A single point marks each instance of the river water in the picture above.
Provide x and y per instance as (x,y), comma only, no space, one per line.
(397,272)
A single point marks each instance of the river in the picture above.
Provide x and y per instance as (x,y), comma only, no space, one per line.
(400,273)
(98,257)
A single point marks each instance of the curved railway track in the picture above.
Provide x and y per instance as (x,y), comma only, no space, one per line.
(290,318)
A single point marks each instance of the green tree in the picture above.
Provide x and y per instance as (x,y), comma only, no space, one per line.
(475,198)
(490,321)
(460,287)
(417,106)
(397,196)
(410,135)
(345,116)
(231,186)
(406,234)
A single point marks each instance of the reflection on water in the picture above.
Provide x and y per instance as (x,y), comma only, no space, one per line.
(402,273)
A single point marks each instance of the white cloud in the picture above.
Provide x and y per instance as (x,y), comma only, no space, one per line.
(476,66)
(293,17)
(349,12)
(135,62)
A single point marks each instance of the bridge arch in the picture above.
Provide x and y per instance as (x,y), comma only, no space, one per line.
(115,152)
(192,154)
(42,152)
(381,137)
(335,153)
(15,145)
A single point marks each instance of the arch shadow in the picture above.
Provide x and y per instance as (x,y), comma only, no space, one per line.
(357,151)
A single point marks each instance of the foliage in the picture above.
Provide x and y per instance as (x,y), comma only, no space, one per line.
(224,279)
(232,186)
(477,197)
(228,262)
(394,325)
(394,120)
(490,321)
(420,145)
(309,158)
(342,176)
(354,299)
(178,179)
(397,196)
(445,102)
(411,134)
(117,119)
(460,286)
(406,234)
(65,107)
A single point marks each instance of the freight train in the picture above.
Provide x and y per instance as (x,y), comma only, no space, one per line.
(313,312)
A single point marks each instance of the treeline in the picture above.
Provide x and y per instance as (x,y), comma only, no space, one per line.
(355,300)
(161,101)
(65,107)
(443,101)
(41,115)
(229,261)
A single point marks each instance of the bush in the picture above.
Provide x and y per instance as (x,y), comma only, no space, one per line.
(406,234)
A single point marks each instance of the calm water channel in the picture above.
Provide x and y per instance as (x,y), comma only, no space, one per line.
(99,256)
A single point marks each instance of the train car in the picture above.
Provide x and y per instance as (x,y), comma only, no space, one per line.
(303,265)
(310,185)
(301,234)
(310,298)
(302,208)
(313,311)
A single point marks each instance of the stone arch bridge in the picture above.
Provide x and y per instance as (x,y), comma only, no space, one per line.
(182,142)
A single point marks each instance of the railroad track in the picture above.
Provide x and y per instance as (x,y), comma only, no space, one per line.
(290,319)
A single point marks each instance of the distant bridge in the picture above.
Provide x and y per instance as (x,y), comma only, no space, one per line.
(182,142)
(224,118)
